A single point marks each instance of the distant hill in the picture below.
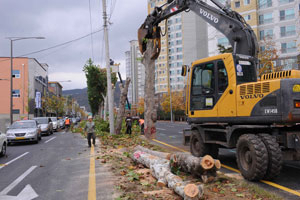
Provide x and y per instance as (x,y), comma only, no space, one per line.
(81,96)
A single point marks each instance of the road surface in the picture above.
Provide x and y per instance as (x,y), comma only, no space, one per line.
(60,166)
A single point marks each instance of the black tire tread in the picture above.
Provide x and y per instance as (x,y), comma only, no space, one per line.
(274,156)
(260,151)
(206,149)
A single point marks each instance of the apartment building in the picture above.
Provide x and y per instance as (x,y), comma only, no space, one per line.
(276,20)
(184,40)
(30,80)
(136,71)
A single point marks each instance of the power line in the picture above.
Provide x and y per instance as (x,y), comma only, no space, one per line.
(91,26)
(58,45)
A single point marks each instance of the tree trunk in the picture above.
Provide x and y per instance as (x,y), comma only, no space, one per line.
(150,114)
(155,153)
(121,111)
(204,167)
(160,169)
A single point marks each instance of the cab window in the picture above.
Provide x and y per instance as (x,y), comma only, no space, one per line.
(203,87)
(222,77)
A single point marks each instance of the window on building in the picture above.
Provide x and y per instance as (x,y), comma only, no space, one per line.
(177,20)
(16,111)
(262,48)
(265,18)
(237,4)
(247,17)
(223,41)
(265,34)
(152,4)
(178,27)
(178,42)
(287,14)
(285,1)
(288,47)
(178,34)
(16,74)
(179,57)
(16,93)
(264,3)
(287,30)
(246,2)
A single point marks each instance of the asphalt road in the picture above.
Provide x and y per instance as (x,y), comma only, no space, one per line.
(58,167)
(171,133)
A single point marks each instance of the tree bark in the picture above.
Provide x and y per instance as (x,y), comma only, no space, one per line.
(160,169)
(150,114)
(121,111)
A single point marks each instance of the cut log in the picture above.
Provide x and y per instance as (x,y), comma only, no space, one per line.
(160,169)
(155,153)
(203,167)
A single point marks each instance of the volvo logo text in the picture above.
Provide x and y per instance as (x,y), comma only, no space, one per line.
(252,96)
(209,16)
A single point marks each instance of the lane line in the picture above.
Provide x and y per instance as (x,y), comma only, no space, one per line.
(161,129)
(50,140)
(13,160)
(294,192)
(92,176)
(17,181)
(295,167)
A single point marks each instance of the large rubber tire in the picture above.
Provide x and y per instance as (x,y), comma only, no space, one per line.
(252,157)
(3,150)
(274,156)
(199,148)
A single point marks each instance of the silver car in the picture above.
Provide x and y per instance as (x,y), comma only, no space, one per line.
(46,125)
(61,123)
(55,123)
(3,144)
(24,131)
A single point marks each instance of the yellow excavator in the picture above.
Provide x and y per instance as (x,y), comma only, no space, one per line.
(227,106)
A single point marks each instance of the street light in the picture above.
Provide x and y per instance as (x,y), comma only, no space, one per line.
(12,39)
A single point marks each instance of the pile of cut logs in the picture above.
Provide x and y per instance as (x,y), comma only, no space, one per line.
(161,163)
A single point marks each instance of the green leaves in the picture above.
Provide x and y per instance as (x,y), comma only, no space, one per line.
(132,176)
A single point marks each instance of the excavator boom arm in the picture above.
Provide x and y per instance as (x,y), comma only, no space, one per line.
(228,22)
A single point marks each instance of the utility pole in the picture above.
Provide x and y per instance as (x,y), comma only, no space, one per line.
(108,72)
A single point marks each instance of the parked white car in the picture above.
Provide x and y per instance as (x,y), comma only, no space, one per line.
(3,144)
(54,123)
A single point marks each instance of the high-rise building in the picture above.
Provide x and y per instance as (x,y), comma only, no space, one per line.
(136,71)
(276,20)
(184,39)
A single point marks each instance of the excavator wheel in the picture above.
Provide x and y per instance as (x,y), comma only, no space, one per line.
(199,148)
(274,154)
(252,157)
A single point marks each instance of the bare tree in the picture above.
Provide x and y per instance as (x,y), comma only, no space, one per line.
(149,105)
(121,111)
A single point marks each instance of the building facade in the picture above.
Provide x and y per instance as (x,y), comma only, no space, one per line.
(55,88)
(30,79)
(185,41)
(275,20)
(135,70)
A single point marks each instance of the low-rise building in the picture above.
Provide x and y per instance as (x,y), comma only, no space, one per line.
(30,82)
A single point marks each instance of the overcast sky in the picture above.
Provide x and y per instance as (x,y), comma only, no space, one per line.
(60,21)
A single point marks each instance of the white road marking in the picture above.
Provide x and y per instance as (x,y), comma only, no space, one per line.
(50,139)
(161,129)
(180,132)
(27,193)
(233,151)
(17,181)
(13,160)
